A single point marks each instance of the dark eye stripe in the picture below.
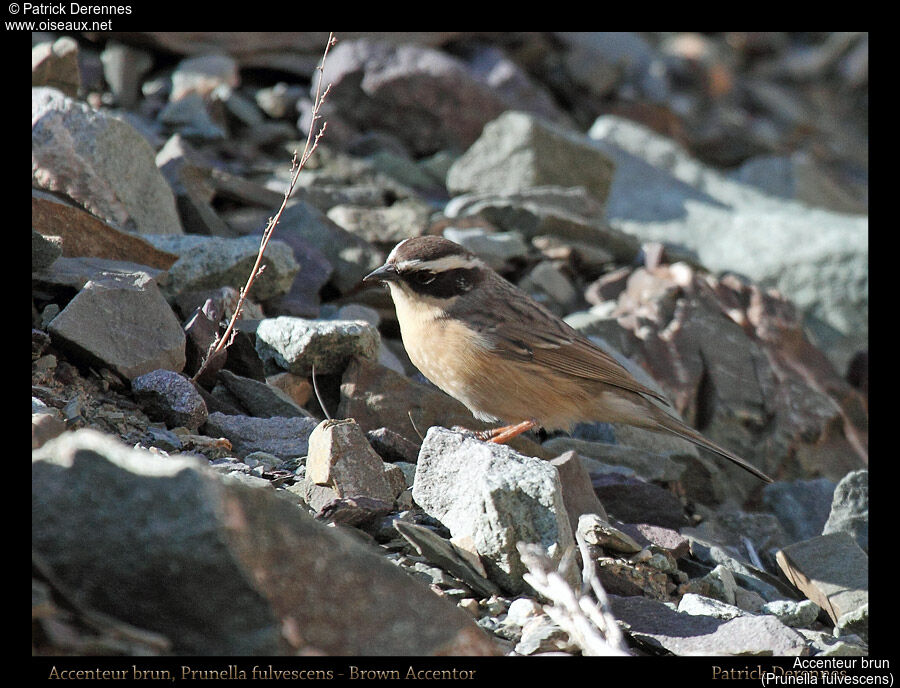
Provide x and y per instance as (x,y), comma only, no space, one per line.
(444,284)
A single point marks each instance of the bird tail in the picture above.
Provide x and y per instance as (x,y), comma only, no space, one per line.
(676,427)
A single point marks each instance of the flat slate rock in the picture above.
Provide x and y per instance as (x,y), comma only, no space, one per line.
(686,634)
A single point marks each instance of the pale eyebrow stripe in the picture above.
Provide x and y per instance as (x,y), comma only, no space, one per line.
(440,264)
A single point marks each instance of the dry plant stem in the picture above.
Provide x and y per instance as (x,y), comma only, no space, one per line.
(313,137)
(588,625)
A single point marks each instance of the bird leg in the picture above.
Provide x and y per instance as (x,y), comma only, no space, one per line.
(507,432)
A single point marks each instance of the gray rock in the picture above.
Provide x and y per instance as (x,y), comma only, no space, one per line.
(648,465)
(599,61)
(819,259)
(496,496)
(286,438)
(596,531)
(392,446)
(636,501)
(426,98)
(171,398)
(383,226)
(439,551)
(578,492)
(341,458)
(686,634)
(745,574)
(721,584)
(206,262)
(792,613)
(165,545)
(519,151)
(75,273)
(296,344)
(511,82)
(350,256)
(101,163)
(802,506)
(548,285)
(190,118)
(44,250)
(124,68)
(497,249)
(826,645)
(699,605)
(798,177)
(261,399)
(569,213)
(831,570)
(854,622)
(850,508)
(123,323)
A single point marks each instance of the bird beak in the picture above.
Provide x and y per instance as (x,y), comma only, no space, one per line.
(386,273)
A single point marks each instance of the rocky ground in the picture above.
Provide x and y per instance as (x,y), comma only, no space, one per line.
(695,203)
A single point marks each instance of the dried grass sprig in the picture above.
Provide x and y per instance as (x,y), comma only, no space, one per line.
(223,340)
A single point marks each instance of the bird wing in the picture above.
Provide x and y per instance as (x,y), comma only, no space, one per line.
(529,332)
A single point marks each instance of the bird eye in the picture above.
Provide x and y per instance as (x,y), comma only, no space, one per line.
(423,277)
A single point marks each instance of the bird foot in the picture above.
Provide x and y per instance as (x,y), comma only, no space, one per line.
(507,432)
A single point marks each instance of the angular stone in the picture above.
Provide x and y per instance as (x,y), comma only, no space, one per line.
(171,398)
(383,226)
(831,570)
(648,465)
(211,262)
(519,151)
(578,492)
(598,532)
(802,506)
(124,68)
(350,256)
(56,65)
(561,212)
(100,162)
(341,457)
(283,584)
(298,388)
(850,508)
(261,399)
(286,438)
(44,250)
(665,538)
(425,97)
(495,495)
(792,613)
(635,501)
(392,446)
(122,323)
(297,344)
(85,235)
(659,190)
(439,551)
(67,275)
(685,634)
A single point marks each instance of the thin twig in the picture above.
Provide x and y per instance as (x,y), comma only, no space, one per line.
(223,340)
(318,395)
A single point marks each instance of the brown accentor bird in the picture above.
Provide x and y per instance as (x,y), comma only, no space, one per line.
(506,357)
